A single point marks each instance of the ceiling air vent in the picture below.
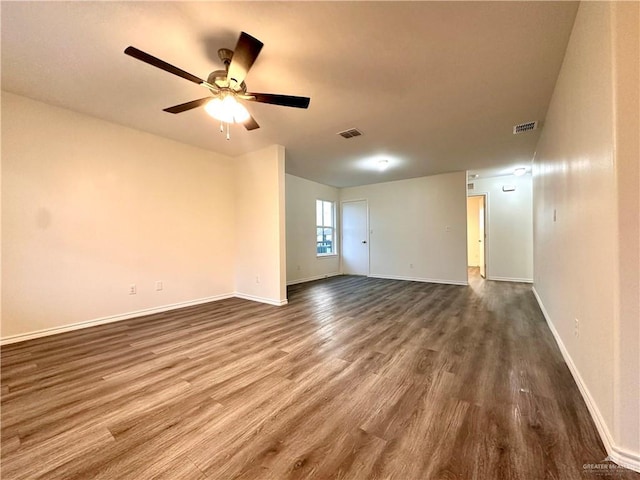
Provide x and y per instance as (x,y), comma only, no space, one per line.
(525,127)
(352,132)
(470,186)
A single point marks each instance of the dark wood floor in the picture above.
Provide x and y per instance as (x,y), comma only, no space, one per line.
(356,378)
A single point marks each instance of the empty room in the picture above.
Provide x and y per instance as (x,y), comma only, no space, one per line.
(322,240)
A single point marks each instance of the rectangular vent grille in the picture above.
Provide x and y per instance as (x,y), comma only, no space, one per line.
(470,186)
(525,127)
(352,132)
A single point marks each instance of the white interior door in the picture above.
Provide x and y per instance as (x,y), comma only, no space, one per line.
(355,238)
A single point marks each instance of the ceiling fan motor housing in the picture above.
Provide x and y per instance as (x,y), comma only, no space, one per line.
(219,79)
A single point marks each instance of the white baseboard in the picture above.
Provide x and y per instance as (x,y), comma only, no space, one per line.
(511,279)
(420,279)
(625,458)
(622,457)
(254,298)
(125,316)
(311,279)
(110,319)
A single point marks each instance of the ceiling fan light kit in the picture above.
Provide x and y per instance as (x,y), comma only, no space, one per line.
(227,86)
(227,110)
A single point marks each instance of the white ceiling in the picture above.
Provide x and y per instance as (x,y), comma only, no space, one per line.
(434,86)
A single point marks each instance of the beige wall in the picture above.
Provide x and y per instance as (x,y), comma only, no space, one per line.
(626,92)
(509,227)
(586,260)
(90,207)
(418,227)
(260,266)
(302,263)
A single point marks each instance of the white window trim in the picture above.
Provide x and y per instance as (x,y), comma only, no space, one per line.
(334,227)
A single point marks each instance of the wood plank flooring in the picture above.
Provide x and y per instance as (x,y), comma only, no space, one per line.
(357,378)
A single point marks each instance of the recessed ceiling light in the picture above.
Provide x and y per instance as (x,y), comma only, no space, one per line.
(379,162)
(473,175)
(518,172)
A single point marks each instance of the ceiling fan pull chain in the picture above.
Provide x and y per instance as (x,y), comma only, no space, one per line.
(228,136)
(221,127)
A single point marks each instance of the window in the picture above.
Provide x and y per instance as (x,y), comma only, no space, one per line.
(325,228)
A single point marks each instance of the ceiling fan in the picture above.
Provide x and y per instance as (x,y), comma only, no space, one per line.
(227,86)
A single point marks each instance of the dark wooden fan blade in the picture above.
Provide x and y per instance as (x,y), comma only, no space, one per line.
(183,107)
(161,64)
(251,124)
(245,53)
(284,100)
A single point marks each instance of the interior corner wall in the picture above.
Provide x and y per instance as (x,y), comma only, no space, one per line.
(626,58)
(260,264)
(509,229)
(90,208)
(581,232)
(303,264)
(418,227)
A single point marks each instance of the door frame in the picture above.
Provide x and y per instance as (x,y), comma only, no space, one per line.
(486,230)
(366,203)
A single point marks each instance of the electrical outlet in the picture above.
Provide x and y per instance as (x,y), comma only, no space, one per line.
(159,285)
(132,289)
(554,214)
(257,278)
(576,328)
(411,265)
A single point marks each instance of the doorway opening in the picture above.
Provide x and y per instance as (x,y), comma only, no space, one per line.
(476,236)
